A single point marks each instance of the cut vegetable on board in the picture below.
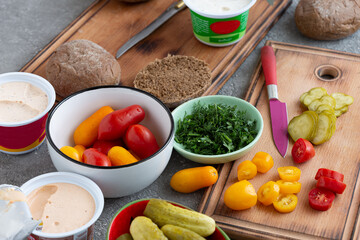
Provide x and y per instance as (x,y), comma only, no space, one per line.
(296,65)
(318,124)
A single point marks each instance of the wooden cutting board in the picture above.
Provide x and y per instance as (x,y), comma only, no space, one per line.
(297,67)
(111,23)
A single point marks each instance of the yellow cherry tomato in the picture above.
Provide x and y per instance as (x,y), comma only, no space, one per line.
(289,187)
(268,193)
(80,149)
(289,173)
(240,195)
(120,156)
(71,152)
(263,161)
(246,170)
(285,203)
(192,179)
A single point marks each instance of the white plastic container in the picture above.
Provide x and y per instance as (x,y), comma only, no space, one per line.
(219,28)
(25,136)
(86,232)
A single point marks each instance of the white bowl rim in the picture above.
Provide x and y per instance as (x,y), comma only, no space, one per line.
(51,96)
(178,146)
(51,113)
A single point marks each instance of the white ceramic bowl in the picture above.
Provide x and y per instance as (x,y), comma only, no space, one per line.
(63,177)
(116,181)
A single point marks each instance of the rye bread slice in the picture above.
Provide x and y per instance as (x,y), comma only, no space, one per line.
(174,79)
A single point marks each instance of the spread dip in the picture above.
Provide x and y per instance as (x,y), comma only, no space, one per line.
(219,6)
(62,207)
(20,101)
(15,218)
(12,195)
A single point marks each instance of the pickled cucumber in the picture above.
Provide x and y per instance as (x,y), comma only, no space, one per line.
(303,126)
(178,233)
(319,123)
(343,102)
(324,128)
(125,236)
(311,95)
(142,228)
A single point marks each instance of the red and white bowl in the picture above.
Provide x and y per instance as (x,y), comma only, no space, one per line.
(25,136)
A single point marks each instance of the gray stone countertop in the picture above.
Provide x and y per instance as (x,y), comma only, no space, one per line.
(27,26)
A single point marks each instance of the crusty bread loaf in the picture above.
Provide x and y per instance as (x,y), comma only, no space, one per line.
(81,64)
(174,79)
(328,19)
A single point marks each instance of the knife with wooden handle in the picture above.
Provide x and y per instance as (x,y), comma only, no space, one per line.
(171,11)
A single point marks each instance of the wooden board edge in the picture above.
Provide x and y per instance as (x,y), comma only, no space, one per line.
(309,49)
(250,232)
(66,33)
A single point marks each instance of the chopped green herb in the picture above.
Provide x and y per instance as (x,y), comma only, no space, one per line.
(215,129)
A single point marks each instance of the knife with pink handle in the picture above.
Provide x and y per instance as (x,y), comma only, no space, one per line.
(278,112)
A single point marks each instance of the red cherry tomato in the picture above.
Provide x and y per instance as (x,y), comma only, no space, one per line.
(329,173)
(115,124)
(94,157)
(105,145)
(331,184)
(321,199)
(302,151)
(225,27)
(141,141)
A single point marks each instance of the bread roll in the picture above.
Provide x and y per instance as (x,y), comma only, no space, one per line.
(81,64)
(328,19)
(174,79)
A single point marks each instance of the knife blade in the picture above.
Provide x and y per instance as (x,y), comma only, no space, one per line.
(171,11)
(278,111)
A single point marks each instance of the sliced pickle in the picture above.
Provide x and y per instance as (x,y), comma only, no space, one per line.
(324,107)
(329,100)
(302,97)
(324,128)
(314,105)
(333,118)
(303,126)
(339,112)
(313,94)
(342,100)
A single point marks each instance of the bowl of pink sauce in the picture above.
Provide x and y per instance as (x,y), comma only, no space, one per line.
(67,204)
(25,100)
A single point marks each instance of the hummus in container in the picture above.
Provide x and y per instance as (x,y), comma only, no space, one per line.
(219,22)
(62,207)
(25,100)
(67,203)
(20,101)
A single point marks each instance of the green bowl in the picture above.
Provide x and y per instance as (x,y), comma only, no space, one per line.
(242,105)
